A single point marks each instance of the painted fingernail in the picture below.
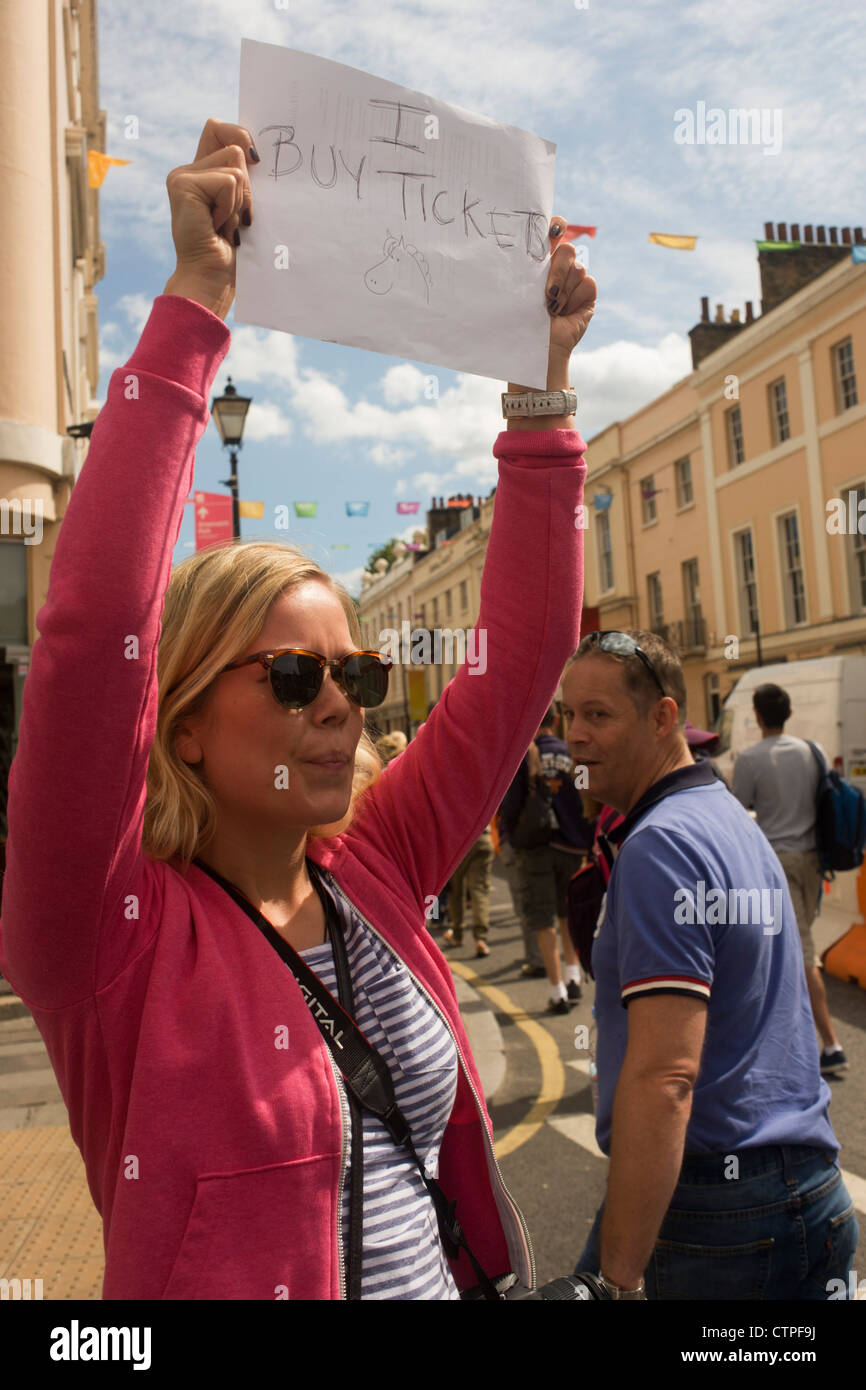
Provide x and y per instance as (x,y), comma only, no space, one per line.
(237,237)
(254,155)
(555,229)
(554,293)
(246,217)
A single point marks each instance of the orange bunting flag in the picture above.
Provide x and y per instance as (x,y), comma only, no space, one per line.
(98,165)
(676,243)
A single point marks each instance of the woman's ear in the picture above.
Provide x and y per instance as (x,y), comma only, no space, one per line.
(187,746)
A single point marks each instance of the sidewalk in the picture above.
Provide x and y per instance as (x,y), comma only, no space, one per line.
(50,1229)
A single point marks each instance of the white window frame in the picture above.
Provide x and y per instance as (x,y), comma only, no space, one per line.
(776,415)
(781,570)
(836,351)
(681,505)
(734,462)
(602,527)
(737,571)
(649,510)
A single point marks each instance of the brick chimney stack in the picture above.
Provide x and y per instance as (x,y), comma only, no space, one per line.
(783,273)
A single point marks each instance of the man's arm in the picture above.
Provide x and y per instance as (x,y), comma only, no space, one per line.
(743,781)
(651,1110)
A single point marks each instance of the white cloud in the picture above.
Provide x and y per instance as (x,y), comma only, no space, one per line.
(137,308)
(615,380)
(402,385)
(351,580)
(386,456)
(265,420)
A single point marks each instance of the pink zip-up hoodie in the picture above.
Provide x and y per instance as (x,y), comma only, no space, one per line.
(215,1158)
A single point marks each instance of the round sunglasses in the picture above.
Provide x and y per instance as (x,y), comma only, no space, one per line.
(296,675)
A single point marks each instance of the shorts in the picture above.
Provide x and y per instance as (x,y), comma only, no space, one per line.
(545,874)
(805,886)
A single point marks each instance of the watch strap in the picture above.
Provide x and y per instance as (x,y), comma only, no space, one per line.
(526,404)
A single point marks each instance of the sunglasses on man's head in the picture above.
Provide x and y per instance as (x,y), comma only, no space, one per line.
(620,644)
(296,676)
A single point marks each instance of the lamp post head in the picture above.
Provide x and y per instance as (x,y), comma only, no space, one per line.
(230,412)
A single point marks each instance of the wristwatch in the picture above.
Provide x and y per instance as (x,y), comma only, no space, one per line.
(520,405)
(633,1295)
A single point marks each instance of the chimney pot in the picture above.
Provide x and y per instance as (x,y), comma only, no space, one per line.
(821,236)
(783,232)
(768,231)
(858,236)
(795,231)
(735,316)
(834,236)
(846,236)
(705,309)
(807,233)
(720,313)
(750,317)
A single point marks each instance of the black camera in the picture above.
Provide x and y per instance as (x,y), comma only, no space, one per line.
(580,1286)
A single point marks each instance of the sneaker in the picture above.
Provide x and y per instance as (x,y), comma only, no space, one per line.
(449,939)
(833,1061)
(574,991)
(532,972)
(558,1006)
(481,948)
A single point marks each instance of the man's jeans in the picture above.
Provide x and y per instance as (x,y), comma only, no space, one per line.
(777,1224)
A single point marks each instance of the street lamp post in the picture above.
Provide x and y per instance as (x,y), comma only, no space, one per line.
(230,412)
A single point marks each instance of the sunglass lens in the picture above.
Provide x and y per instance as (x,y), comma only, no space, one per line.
(296,679)
(366,680)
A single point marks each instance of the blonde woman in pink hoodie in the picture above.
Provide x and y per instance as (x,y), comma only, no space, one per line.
(192,755)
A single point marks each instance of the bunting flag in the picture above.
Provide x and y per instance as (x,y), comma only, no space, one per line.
(252,510)
(357,508)
(676,243)
(407,508)
(571,231)
(414,545)
(778,245)
(98,165)
(305,508)
(340,545)
(858,255)
(459,501)
(602,500)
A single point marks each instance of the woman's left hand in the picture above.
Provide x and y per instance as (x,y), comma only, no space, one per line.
(570,295)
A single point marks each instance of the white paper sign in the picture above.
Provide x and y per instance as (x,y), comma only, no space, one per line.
(388,220)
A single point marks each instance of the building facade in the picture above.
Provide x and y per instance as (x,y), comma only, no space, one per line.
(49,355)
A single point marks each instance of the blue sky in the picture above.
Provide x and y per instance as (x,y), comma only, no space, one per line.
(604,83)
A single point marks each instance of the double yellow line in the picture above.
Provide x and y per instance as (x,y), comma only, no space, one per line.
(552,1070)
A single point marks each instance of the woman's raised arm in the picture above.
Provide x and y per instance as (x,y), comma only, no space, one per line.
(70,918)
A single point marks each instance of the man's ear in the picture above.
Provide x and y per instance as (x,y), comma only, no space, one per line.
(666,717)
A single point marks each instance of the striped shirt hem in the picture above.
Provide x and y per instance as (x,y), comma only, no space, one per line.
(664,984)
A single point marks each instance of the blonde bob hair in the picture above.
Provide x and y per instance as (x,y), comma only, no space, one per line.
(216,603)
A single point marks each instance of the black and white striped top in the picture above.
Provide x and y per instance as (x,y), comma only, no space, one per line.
(402,1252)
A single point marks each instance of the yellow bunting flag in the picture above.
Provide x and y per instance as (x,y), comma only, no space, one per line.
(676,243)
(253,510)
(98,165)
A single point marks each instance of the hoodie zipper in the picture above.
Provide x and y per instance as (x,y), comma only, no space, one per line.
(344,1144)
(524,1231)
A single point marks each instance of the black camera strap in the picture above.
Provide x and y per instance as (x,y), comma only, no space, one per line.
(368,1080)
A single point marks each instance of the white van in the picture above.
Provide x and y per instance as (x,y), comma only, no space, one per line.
(828,706)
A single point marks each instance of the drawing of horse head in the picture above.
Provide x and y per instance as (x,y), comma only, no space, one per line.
(400,259)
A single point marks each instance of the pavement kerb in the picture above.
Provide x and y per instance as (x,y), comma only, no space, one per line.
(485,1036)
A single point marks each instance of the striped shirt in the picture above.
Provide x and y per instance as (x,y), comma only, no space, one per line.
(402,1254)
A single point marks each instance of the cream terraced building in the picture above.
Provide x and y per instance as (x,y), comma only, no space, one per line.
(717,526)
(49,353)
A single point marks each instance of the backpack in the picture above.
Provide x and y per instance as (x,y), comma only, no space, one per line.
(536,824)
(840,821)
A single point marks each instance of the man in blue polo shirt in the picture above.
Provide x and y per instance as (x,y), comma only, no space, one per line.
(711,1105)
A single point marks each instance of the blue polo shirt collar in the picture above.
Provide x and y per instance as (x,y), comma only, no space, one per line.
(682,778)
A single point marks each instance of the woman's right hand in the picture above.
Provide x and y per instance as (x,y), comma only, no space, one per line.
(209,198)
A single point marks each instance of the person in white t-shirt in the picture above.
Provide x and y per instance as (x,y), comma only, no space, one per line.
(778,778)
